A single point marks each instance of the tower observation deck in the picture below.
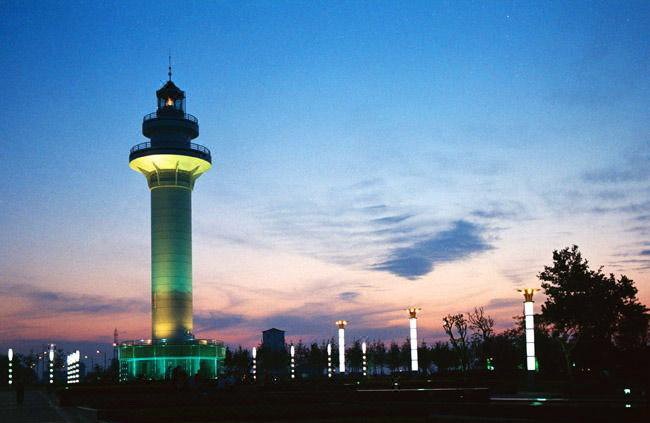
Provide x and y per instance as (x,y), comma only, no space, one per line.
(171,164)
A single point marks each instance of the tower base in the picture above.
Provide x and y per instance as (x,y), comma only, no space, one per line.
(167,360)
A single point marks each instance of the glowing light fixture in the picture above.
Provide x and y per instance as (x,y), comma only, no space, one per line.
(341,324)
(329,359)
(254,363)
(293,361)
(10,356)
(531,362)
(413,334)
(51,357)
(363,357)
(72,363)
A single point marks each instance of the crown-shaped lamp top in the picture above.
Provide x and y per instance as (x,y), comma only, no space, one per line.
(170,98)
(528,293)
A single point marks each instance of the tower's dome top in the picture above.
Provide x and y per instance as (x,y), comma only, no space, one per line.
(170,90)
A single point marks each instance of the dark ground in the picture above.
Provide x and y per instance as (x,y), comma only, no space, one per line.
(313,403)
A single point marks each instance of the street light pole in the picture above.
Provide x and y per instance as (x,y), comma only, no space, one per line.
(254,363)
(51,357)
(10,356)
(413,333)
(363,357)
(293,362)
(529,316)
(341,325)
(329,359)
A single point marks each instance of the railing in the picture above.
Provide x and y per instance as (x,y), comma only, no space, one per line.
(137,342)
(185,116)
(147,145)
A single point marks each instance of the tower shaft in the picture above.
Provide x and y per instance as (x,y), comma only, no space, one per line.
(171,262)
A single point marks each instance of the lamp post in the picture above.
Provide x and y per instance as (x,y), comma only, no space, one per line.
(293,361)
(341,324)
(10,356)
(363,358)
(254,353)
(51,357)
(531,364)
(413,333)
(329,359)
(72,362)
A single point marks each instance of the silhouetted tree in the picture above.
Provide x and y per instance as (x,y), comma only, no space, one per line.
(455,326)
(405,355)
(378,356)
(354,355)
(424,358)
(483,327)
(589,311)
(442,356)
(317,359)
(507,350)
(393,357)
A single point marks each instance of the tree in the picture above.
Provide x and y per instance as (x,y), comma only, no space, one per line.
(455,326)
(442,356)
(589,311)
(378,356)
(481,324)
(507,350)
(424,357)
(483,327)
(393,357)
(355,356)
(317,359)
(405,355)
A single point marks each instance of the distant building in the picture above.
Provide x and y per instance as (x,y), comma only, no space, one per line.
(273,340)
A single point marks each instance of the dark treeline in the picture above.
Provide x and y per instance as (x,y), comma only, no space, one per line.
(590,323)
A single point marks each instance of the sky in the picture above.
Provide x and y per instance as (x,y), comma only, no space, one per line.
(367,156)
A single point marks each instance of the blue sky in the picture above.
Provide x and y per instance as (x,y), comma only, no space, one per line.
(367,155)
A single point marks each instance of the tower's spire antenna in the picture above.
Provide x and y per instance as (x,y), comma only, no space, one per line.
(170,67)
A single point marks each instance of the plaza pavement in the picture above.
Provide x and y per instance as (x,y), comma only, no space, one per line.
(37,408)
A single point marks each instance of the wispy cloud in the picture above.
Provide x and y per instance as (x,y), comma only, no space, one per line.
(462,240)
(349,295)
(47,302)
(500,303)
(207,321)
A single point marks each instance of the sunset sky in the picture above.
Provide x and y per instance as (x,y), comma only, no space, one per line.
(367,156)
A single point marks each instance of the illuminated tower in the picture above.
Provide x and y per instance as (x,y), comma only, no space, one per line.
(171,163)
(341,325)
(531,364)
(413,334)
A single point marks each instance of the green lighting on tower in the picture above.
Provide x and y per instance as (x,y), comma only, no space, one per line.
(171,164)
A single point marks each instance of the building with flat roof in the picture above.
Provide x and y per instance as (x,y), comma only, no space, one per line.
(273,340)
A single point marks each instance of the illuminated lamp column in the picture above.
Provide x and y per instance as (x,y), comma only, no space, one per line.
(68,368)
(51,357)
(329,359)
(10,356)
(293,362)
(413,334)
(72,362)
(530,328)
(341,324)
(254,363)
(363,358)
